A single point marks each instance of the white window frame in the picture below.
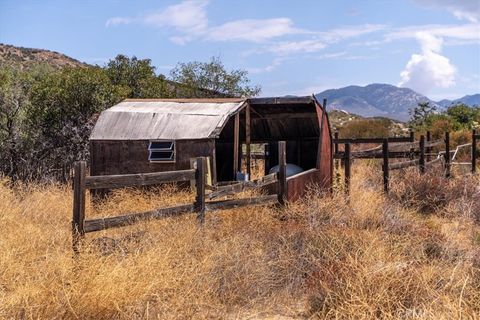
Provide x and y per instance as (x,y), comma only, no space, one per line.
(173,149)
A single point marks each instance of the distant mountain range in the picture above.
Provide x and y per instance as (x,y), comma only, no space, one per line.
(383,100)
(471,100)
(374,100)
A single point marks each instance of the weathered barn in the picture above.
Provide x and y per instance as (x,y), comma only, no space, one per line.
(150,135)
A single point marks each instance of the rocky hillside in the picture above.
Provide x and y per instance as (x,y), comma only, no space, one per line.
(382,100)
(28,57)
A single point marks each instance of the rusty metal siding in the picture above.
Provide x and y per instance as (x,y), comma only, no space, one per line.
(298,185)
(324,158)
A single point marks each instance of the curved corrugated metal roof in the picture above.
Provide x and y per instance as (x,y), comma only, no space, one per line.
(165,119)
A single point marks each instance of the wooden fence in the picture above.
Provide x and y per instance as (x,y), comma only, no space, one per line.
(419,154)
(82,182)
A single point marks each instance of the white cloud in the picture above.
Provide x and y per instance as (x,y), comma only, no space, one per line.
(343,55)
(274,65)
(188,17)
(321,39)
(253,30)
(466,32)
(292,47)
(338,34)
(115,21)
(462,9)
(429,69)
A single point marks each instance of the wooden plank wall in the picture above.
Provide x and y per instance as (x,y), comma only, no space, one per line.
(124,157)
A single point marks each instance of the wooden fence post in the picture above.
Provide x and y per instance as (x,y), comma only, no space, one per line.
(337,161)
(248,141)
(422,154)
(78,232)
(200,181)
(386,172)
(348,162)
(412,136)
(282,172)
(428,149)
(474,151)
(447,154)
(336,143)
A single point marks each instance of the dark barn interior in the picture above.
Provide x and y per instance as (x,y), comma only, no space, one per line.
(271,120)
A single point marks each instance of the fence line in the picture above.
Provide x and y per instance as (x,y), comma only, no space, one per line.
(422,150)
(82,182)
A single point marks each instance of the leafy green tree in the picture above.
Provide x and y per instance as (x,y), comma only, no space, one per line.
(212,80)
(420,113)
(137,76)
(465,117)
(63,109)
(14,85)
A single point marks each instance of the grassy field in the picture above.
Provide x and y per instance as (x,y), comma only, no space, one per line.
(413,255)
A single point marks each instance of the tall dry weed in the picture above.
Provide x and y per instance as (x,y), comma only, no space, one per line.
(322,257)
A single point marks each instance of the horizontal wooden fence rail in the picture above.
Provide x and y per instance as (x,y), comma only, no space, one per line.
(128,219)
(136,180)
(372,140)
(234,203)
(377,155)
(241,186)
(420,154)
(82,182)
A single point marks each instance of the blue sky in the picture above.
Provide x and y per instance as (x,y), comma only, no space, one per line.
(288,47)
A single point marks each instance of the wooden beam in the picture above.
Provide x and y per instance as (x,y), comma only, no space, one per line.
(229,204)
(403,164)
(372,140)
(447,154)
(474,151)
(411,136)
(247,139)
(386,172)
(336,160)
(282,172)
(78,230)
(238,187)
(379,154)
(139,179)
(236,144)
(347,168)
(281,100)
(428,149)
(421,161)
(132,218)
(335,142)
(285,115)
(201,180)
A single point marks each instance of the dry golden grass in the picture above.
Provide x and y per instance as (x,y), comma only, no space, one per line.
(374,257)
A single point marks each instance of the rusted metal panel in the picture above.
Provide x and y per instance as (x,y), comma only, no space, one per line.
(325,151)
(299,184)
(138,120)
